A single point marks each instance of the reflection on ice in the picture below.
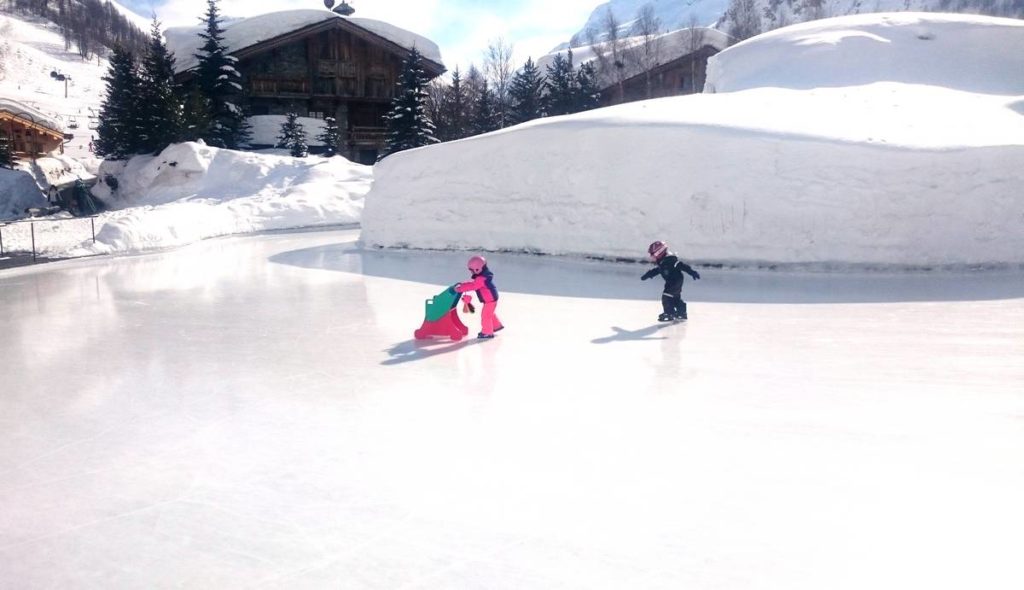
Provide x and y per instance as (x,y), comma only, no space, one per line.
(542,275)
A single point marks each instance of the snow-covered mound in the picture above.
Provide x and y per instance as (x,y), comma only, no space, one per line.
(192,191)
(18,191)
(246,32)
(972,53)
(886,173)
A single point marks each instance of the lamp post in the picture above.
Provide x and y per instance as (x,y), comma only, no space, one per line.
(61,78)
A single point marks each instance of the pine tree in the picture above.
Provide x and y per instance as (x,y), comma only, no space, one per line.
(195,117)
(587,94)
(485,113)
(118,131)
(7,157)
(526,92)
(293,137)
(331,137)
(561,86)
(454,110)
(220,83)
(408,125)
(159,107)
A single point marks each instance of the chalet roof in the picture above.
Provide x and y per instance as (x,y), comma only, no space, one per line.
(667,48)
(26,113)
(247,32)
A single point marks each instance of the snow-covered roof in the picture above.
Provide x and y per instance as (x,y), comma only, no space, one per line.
(242,33)
(15,108)
(666,47)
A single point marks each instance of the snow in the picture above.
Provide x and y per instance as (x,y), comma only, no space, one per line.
(30,113)
(191,192)
(184,42)
(18,191)
(32,49)
(964,52)
(876,172)
(254,409)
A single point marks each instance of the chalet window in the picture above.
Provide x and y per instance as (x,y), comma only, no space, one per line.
(316,114)
(326,45)
(347,86)
(376,87)
(324,86)
(682,83)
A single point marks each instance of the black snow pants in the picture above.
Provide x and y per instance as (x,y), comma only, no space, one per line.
(673,304)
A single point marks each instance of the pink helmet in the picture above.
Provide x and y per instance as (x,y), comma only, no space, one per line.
(657,250)
(476,264)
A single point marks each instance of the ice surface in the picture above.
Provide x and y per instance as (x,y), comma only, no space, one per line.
(252,412)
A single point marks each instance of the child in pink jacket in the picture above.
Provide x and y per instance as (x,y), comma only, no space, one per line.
(483,284)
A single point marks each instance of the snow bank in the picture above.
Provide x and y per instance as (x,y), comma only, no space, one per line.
(18,191)
(972,53)
(192,191)
(879,174)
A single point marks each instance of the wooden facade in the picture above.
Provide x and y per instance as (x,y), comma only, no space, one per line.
(331,69)
(32,138)
(684,75)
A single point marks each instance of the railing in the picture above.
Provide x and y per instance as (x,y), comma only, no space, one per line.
(275,86)
(15,238)
(328,67)
(367,136)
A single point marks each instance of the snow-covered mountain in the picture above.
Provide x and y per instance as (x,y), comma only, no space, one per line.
(676,14)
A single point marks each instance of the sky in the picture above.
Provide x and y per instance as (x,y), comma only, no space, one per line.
(462,28)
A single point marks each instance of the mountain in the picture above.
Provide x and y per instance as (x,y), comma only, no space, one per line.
(676,14)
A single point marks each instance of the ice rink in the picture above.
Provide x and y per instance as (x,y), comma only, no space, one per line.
(253,413)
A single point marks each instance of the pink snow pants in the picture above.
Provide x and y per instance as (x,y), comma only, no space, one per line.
(488,321)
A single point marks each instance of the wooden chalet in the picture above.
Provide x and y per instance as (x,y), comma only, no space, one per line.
(683,75)
(34,134)
(335,66)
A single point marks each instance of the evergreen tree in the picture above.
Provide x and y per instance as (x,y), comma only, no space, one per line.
(293,137)
(7,157)
(485,113)
(159,106)
(118,131)
(561,86)
(331,137)
(220,83)
(587,94)
(454,110)
(526,93)
(408,125)
(195,117)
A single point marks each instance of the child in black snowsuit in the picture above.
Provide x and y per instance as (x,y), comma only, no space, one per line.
(671,269)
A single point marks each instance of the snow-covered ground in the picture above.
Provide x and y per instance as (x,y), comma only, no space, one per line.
(813,161)
(190,192)
(252,411)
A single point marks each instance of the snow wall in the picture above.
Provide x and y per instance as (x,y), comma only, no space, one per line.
(741,198)
(886,173)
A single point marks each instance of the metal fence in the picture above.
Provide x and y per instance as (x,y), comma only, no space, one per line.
(45,236)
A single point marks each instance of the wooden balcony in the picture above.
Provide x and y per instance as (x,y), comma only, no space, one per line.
(367,136)
(279,87)
(328,67)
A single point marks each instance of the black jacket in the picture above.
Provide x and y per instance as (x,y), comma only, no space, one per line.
(671,269)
